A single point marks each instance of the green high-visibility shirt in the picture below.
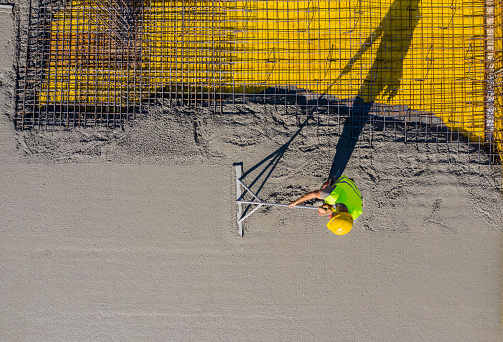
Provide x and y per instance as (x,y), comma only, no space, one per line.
(347,193)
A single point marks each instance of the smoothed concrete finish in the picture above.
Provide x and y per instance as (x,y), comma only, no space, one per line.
(100,252)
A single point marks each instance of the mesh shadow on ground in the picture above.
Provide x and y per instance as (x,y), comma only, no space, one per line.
(395,123)
(406,124)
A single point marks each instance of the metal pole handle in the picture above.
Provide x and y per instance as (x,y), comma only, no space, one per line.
(278,205)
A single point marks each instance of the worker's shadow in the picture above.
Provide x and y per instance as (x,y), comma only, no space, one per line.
(384,77)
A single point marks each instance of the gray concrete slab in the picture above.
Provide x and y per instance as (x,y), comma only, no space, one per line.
(107,252)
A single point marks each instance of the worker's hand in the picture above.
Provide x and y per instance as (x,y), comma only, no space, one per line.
(292,204)
(325,209)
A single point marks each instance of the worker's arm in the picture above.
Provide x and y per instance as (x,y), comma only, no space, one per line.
(306,197)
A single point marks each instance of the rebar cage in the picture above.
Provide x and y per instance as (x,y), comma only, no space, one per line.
(98,62)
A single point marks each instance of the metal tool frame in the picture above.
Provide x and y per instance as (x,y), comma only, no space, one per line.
(259,203)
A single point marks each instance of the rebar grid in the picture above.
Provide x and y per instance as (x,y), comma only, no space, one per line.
(434,63)
(120,17)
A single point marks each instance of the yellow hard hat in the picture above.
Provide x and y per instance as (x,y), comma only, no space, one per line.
(341,223)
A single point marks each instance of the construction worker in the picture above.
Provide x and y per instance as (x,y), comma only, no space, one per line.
(343,203)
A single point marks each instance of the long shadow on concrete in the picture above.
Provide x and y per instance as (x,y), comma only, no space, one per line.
(384,77)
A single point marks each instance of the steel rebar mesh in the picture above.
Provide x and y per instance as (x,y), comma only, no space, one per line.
(77,72)
(433,64)
(497,138)
(120,17)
